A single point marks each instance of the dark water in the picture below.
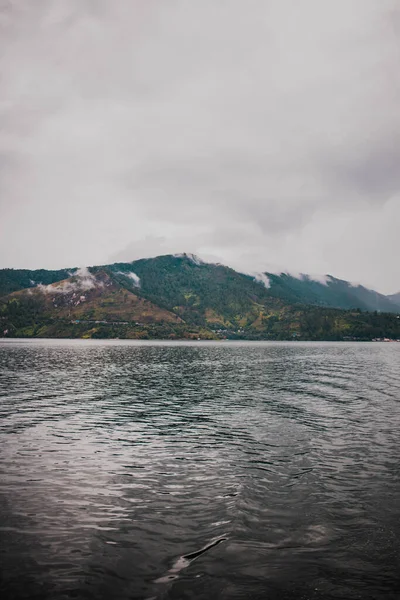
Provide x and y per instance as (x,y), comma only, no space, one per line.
(199,471)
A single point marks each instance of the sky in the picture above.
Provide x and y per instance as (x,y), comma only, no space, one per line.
(263,134)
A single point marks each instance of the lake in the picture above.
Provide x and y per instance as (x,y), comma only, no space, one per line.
(138,470)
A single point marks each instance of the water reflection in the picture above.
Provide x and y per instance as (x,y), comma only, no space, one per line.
(121,461)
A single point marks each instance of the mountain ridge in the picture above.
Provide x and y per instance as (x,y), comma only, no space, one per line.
(325,290)
(176,296)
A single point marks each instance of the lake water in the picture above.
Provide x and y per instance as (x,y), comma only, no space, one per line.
(199,470)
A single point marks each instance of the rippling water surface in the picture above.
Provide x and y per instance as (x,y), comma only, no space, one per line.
(199,471)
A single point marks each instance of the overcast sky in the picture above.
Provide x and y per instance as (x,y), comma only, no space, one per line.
(264,133)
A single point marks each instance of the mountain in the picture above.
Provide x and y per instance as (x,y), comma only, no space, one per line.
(168,275)
(12,280)
(395,299)
(331,292)
(183,297)
(85,299)
(198,292)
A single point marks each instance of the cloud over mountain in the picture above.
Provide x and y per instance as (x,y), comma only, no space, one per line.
(258,133)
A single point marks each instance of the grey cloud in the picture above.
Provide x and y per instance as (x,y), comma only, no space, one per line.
(373,173)
(259,132)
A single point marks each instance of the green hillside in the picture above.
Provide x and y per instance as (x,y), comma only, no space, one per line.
(12,280)
(199,293)
(172,280)
(177,297)
(335,293)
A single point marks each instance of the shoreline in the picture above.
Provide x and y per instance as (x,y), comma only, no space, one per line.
(192,341)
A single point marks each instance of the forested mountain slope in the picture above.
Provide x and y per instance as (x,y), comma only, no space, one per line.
(182,297)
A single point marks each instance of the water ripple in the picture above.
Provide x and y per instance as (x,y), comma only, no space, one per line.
(125,465)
